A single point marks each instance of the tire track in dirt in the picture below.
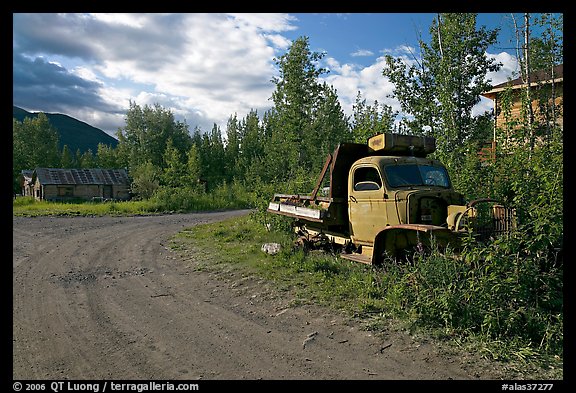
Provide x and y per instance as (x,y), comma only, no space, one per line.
(104,298)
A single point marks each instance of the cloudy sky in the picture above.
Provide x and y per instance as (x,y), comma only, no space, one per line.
(206,67)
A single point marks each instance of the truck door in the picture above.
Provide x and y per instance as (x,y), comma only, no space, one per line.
(366,205)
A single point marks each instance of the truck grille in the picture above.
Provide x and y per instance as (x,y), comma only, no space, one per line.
(492,219)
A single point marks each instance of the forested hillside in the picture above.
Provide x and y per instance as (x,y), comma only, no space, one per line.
(76,134)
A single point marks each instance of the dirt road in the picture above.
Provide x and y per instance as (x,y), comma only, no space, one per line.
(104,298)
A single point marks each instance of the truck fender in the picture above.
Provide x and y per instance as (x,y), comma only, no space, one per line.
(396,240)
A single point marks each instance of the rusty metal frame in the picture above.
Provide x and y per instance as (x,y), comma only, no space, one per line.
(321,177)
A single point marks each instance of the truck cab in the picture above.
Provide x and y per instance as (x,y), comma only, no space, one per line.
(386,191)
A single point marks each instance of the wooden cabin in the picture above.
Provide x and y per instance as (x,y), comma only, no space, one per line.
(26,183)
(546,92)
(60,184)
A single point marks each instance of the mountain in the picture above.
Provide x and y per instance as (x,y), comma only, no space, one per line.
(74,133)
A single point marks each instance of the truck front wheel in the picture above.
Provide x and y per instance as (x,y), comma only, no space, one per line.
(398,245)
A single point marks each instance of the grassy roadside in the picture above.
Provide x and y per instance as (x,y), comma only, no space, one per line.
(28,207)
(319,278)
(163,203)
(373,296)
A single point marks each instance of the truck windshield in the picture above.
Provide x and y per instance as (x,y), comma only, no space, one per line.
(416,175)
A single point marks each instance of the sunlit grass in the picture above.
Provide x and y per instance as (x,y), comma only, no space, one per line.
(27,206)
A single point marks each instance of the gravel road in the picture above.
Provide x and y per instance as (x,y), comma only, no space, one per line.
(105,298)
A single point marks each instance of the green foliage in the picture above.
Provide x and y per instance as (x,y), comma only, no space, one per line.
(174,173)
(496,292)
(370,120)
(307,122)
(34,144)
(534,185)
(145,180)
(193,167)
(107,157)
(441,89)
(232,149)
(67,160)
(188,199)
(85,160)
(146,135)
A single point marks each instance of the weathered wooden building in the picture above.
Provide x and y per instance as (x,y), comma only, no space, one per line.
(546,96)
(26,183)
(58,184)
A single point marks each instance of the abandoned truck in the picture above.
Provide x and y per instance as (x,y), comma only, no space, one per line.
(386,198)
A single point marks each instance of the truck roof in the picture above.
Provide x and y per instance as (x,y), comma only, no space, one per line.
(386,160)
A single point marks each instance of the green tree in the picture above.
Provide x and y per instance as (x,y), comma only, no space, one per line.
(145,180)
(369,120)
(146,134)
(296,99)
(414,89)
(541,53)
(107,157)
(67,160)
(87,159)
(174,172)
(193,168)
(447,82)
(306,122)
(330,127)
(232,149)
(529,170)
(252,142)
(34,144)
(547,49)
(212,156)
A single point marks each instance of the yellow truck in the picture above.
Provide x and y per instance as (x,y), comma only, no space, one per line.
(387,198)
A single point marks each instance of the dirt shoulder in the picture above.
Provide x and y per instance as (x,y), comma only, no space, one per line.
(105,298)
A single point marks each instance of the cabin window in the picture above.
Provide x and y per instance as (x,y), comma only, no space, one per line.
(367,179)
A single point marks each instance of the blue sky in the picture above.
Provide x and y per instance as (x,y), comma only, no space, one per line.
(206,67)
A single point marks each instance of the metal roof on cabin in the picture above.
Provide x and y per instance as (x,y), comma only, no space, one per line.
(537,76)
(82,176)
(27,173)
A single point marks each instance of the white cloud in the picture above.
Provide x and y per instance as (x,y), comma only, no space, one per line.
(400,51)
(132,20)
(278,41)
(509,67)
(203,67)
(266,22)
(362,52)
(349,79)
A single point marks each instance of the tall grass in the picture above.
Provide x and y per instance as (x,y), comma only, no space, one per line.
(511,301)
